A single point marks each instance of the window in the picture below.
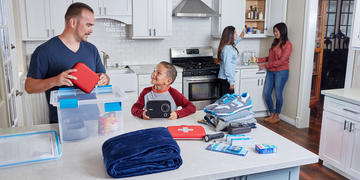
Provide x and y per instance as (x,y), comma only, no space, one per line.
(331,18)
(339,18)
(346,16)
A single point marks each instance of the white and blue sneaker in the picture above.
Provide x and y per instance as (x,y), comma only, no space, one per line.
(210,107)
(233,104)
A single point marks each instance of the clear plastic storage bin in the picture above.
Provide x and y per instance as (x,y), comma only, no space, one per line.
(84,115)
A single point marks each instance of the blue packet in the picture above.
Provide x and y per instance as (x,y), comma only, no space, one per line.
(220,147)
(265,148)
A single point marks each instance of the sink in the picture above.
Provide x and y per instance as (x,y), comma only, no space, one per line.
(120,69)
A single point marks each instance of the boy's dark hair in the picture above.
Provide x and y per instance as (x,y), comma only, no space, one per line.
(171,70)
(75,10)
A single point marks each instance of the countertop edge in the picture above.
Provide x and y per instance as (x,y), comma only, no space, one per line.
(344,94)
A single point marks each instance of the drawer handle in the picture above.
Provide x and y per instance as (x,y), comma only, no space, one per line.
(351,125)
(260,72)
(352,111)
(130,91)
(345,124)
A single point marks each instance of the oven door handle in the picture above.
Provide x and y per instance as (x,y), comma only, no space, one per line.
(201,80)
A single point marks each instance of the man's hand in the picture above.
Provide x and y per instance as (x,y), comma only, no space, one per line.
(33,85)
(64,78)
(173,115)
(104,79)
(144,116)
(231,87)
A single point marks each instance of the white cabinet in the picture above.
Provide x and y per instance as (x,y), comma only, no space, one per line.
(151,19)
(120,10)
(42,19)
(237,82)
(340,136)
(234,12)
(231,15)
(275,13)
(356,26)
(127,82)
(252,81)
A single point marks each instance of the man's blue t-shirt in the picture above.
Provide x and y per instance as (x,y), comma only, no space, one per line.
(54,57)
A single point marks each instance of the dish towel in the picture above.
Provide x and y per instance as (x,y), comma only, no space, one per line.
(141,152)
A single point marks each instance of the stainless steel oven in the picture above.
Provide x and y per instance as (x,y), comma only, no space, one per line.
(201,90)
(200,84)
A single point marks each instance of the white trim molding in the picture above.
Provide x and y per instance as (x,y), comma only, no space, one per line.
(288,119)
(307,57)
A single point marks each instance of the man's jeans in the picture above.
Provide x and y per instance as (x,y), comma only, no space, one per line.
(277,80)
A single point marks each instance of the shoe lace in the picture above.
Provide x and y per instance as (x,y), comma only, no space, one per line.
(229,99)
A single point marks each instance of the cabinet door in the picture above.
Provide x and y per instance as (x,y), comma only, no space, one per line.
(237,82)
(95,5)
(332,140)
(353,156)
(356,26)
(161,17)
(252,86)
(275,13)
(57,12)
(37,19)
(232,14)
(141,19)
(117,7)
(261,106)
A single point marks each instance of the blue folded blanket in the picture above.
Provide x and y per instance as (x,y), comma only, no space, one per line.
(141,152)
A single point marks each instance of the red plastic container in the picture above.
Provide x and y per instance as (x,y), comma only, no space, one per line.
(86,78)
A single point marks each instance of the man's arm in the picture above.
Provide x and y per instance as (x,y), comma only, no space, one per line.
(33,85)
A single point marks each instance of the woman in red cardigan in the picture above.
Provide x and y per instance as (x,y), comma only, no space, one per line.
(277,65)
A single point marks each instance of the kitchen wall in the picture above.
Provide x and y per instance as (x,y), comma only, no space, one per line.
(112,37)
(294,19)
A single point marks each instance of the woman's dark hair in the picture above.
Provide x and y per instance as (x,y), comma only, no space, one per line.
(283,35)
(227,38)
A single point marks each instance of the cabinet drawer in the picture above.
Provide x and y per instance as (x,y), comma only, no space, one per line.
(342,108)
(252,73)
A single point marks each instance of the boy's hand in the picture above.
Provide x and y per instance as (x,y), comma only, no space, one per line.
(173,115)
(144,116)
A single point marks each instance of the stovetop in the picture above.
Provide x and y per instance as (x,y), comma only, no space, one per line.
(194,61)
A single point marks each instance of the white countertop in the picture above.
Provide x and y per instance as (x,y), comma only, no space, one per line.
(351,95)
(247,67)
(149,68)
(83,159)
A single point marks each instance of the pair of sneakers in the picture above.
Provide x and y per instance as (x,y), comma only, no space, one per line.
(230,104)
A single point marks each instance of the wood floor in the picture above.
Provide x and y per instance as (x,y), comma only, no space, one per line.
(308,138)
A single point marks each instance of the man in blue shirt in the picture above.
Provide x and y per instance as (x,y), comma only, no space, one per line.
(52,61)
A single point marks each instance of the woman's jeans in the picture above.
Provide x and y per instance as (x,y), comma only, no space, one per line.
(277,80)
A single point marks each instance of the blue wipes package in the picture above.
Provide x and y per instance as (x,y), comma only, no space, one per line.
(265,148)
(220,147)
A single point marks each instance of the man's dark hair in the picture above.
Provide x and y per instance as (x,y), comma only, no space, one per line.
(171,70)
(75,10)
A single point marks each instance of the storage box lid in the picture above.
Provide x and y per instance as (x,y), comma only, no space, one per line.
(71,97)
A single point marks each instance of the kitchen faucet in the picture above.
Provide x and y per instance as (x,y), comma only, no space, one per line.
(105,58)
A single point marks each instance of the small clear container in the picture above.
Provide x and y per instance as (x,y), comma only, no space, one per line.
(82,115)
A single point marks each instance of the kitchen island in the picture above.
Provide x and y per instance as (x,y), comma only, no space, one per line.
(83,159)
